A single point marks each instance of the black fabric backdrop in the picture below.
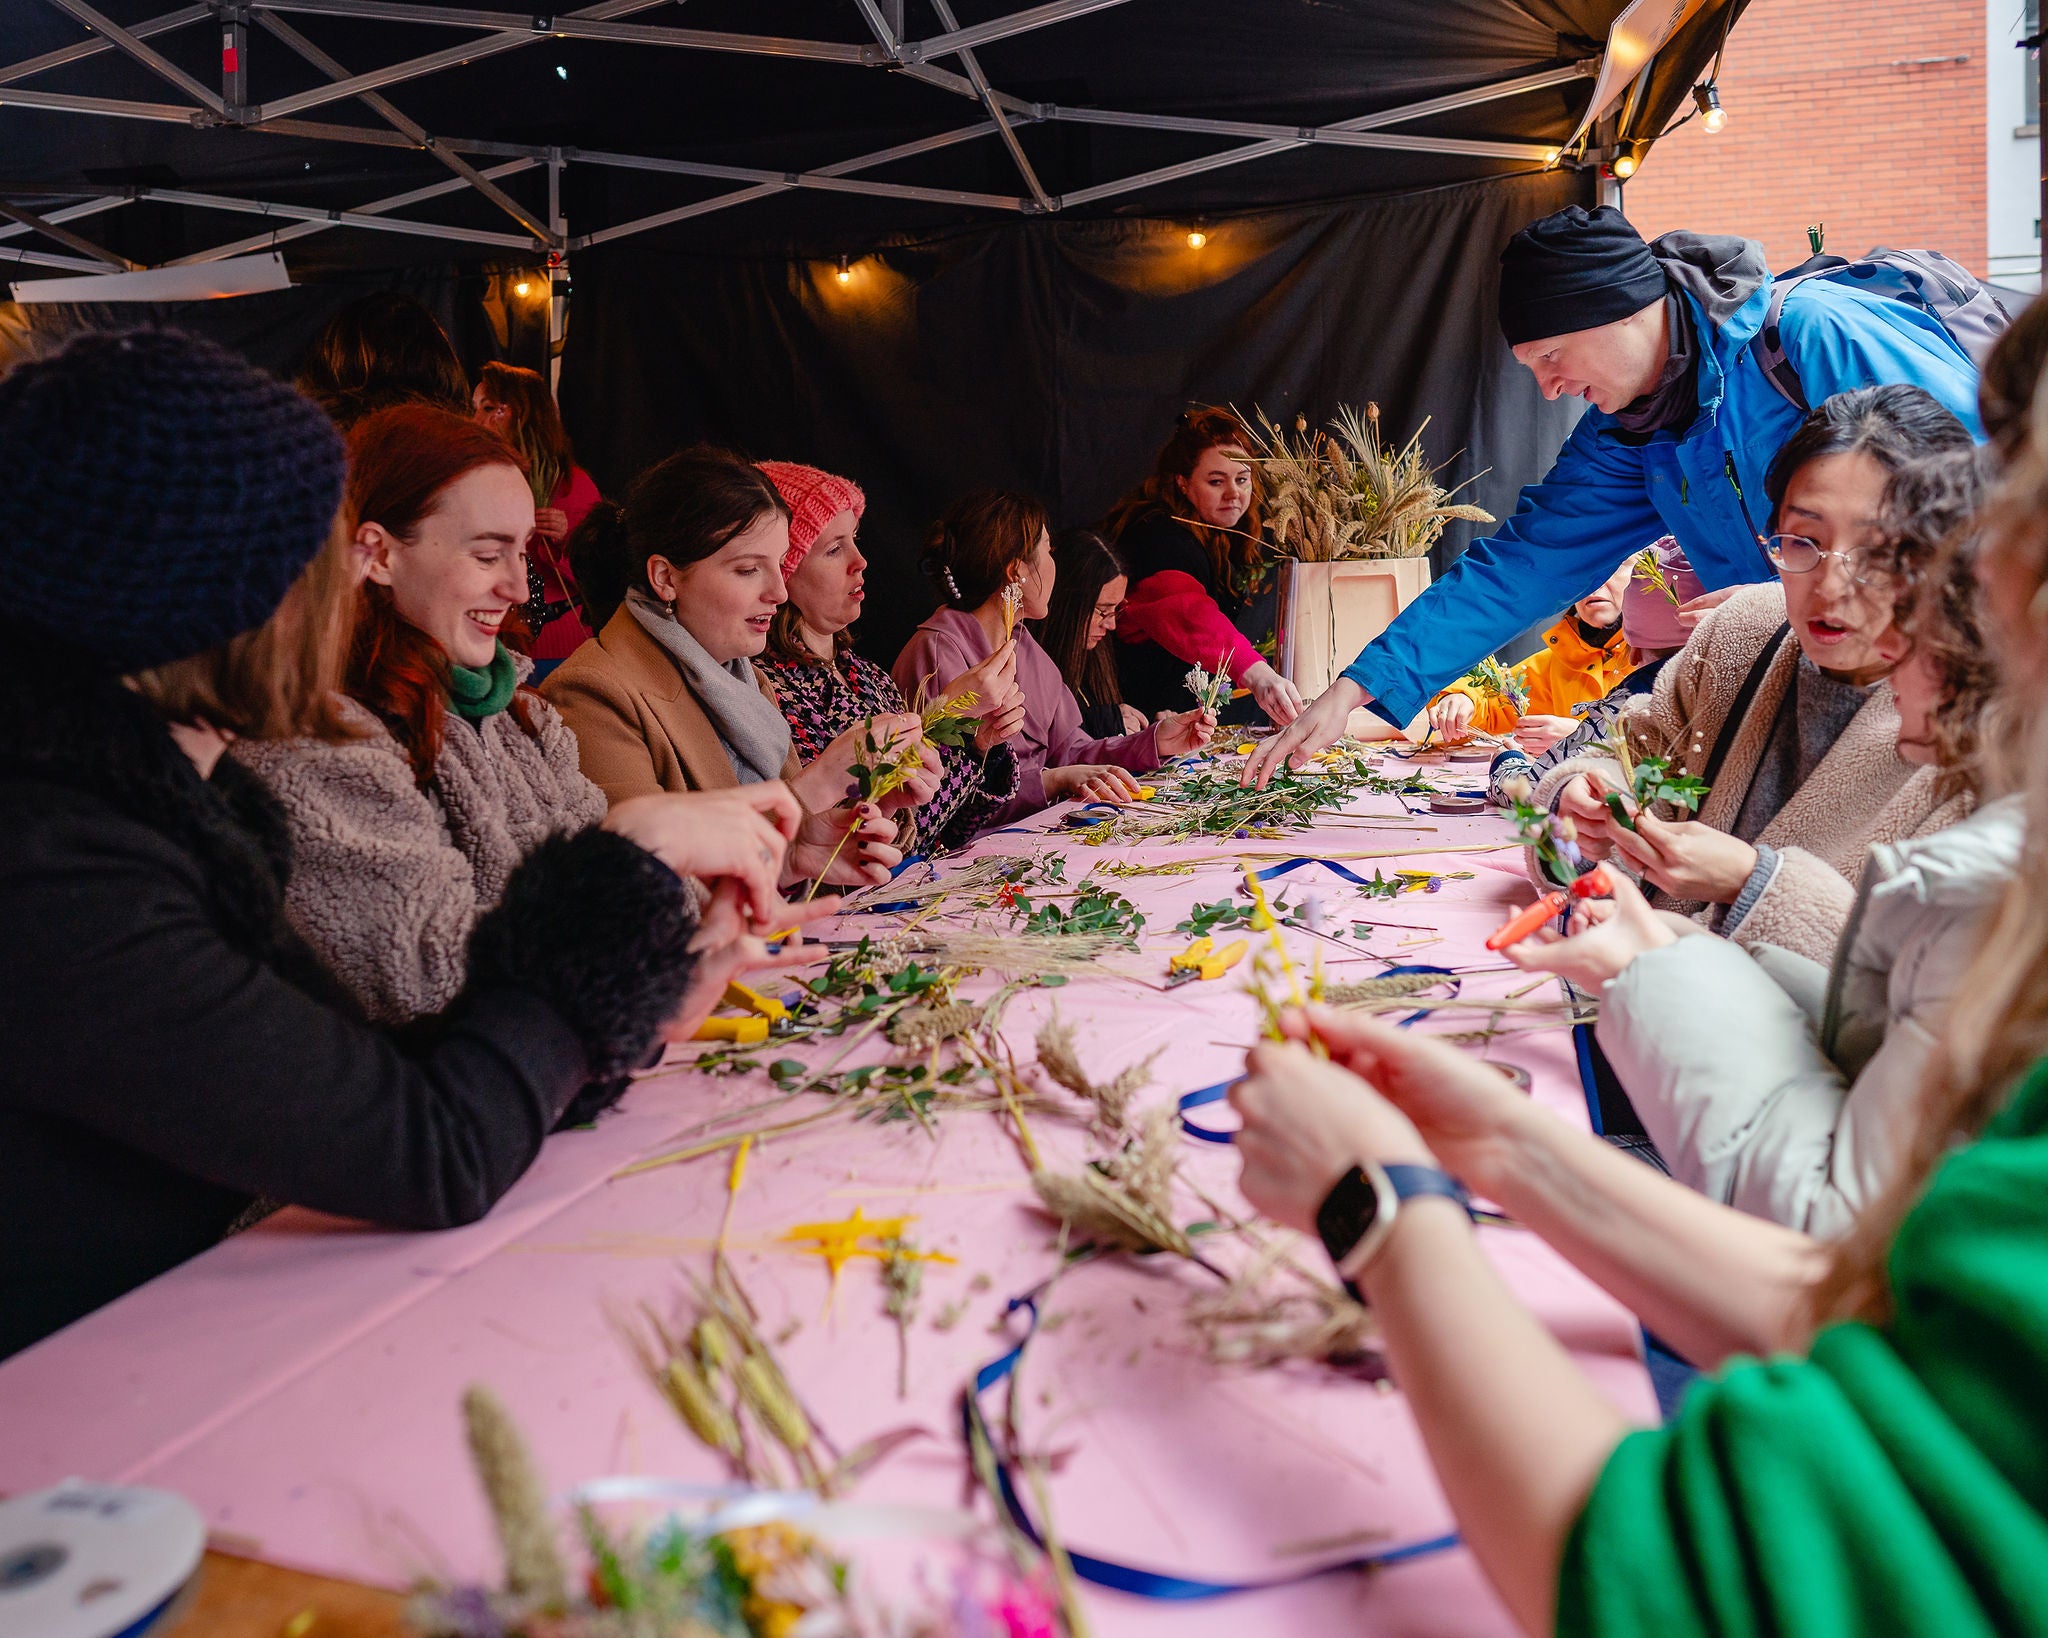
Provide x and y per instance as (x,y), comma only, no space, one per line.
(1053,356)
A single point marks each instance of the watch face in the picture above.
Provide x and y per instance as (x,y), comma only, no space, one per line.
(1347,1213)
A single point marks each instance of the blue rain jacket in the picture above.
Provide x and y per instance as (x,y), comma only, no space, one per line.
(1604,498)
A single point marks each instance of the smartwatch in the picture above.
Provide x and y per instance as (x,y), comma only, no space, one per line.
(1357,1215)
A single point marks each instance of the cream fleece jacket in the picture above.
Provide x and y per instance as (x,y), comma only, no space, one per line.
(1861,794)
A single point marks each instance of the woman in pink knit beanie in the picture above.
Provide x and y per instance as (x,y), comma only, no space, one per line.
(824,688)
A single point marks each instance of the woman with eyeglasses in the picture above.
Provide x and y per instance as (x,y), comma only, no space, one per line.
(1780,703)
(1086,600)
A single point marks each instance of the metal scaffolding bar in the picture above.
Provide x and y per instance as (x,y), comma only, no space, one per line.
(1363,131)
(470,51)
(43,258)
(69,213)
(334,218)
(92,48)
(62,102)
(410,127)
(147,55)
(987,97)
(64,236)
(826,176)
(573,26)
(957,39)
(376,207)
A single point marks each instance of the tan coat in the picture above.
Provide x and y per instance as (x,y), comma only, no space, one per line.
(1862,792)
(639,728)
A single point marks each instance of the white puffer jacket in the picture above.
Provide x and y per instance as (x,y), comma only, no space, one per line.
(1757,1102)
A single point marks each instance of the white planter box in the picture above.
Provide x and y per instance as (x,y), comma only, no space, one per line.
(1329,611)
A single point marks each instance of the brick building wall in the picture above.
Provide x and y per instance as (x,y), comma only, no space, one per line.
(1836,115)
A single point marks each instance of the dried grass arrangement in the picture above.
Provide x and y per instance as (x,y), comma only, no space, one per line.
(1111,1100)
(1342,493)
(1125,1201)
(1256,1321)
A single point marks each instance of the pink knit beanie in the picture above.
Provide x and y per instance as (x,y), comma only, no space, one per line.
(1648,617)
(814,499)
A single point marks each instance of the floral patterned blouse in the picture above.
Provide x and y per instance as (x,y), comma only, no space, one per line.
(823,699)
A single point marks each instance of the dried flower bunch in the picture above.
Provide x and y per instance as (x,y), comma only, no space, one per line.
(1111,1099)
(672,1580)
(1211,688)
(1123,1202)
(1650,571)
(1257,1322)
(1342,493)
(1491,680)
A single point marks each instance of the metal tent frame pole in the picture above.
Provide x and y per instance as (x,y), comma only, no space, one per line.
(501,31)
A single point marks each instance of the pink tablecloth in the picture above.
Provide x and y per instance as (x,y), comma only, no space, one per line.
(301,1382)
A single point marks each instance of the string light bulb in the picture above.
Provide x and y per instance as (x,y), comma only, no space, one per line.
(1624,165)
(1197,238)
(845,273)
(1706,97)
(522,287)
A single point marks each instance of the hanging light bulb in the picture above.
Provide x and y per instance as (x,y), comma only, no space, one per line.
(1197,238)
(522,287)
(1706,97)
(1624,165)
(845,273)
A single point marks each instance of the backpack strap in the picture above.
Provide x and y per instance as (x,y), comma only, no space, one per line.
(1745,696)
(1767,347)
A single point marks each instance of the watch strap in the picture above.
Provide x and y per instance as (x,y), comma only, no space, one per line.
(1359,1212)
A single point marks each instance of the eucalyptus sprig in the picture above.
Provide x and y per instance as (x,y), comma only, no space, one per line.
(1650,780)
(1491,680)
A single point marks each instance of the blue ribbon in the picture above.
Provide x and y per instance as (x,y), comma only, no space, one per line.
(1216,1094)
(1102,1572)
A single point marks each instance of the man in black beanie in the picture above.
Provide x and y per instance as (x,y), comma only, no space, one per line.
(1682,425)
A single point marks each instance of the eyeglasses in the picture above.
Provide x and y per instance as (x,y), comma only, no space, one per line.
(1108,611)
(1795,554)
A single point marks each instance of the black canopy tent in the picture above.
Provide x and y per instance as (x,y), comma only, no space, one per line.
(924,243)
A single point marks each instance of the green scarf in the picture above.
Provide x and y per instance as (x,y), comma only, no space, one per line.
(477,692)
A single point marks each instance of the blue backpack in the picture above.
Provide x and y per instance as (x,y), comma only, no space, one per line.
(1973,317)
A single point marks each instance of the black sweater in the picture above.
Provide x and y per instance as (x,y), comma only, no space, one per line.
(170,1054)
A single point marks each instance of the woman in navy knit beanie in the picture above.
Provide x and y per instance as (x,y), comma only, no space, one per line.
(174,1054)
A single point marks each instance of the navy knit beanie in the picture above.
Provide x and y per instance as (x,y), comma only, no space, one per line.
(1577,269)
(165,495)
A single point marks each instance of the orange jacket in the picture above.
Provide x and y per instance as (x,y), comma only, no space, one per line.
(1565,672)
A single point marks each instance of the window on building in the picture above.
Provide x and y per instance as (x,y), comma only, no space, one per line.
(2030,63)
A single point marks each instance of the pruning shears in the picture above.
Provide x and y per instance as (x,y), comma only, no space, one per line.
(763,1016)
(1202,960)
(1595,884)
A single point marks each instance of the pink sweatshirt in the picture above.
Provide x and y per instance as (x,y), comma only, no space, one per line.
(952,641)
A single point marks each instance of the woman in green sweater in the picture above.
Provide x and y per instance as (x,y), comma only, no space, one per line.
(1869,1455)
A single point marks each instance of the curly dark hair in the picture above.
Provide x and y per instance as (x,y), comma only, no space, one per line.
(1931,541)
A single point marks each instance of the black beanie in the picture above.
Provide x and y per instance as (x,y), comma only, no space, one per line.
(165,495)
(1577,269)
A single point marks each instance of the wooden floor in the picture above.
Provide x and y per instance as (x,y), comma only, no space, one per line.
(240,1598)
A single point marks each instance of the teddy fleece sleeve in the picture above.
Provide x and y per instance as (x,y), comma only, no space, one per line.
(1802,906)
(1896,1481)
(378,890)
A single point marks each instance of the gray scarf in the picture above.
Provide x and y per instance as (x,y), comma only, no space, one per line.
(753,732)
(1719,272)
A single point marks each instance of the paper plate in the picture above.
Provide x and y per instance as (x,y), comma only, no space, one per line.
(95,1560)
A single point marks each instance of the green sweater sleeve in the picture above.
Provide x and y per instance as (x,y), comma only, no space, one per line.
(1894,1482)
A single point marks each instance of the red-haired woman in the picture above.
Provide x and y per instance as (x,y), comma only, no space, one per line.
(516,404)
(404,835)
(1201,590)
